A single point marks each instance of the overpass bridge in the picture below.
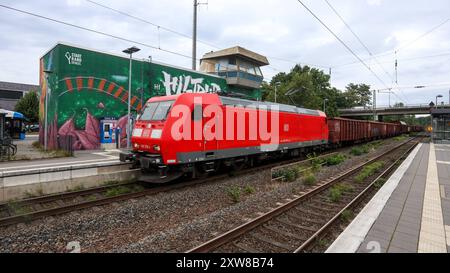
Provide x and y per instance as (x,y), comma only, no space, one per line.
(380,111)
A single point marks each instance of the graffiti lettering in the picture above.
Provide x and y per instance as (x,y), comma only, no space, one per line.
(187,84)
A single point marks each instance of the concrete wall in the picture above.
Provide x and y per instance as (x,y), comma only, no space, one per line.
(25,184)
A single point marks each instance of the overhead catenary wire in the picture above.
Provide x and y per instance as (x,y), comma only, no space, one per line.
(151,23)
(342,42)
(358,38)
(94,31)
(403,46)
(215,46)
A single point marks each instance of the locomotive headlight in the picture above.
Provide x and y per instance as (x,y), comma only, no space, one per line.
(136,145)
(137,132)
(156,134)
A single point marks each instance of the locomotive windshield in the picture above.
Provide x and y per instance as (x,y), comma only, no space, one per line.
(156,111)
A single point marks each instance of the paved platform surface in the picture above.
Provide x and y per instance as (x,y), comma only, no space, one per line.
(411,213)
(80,157)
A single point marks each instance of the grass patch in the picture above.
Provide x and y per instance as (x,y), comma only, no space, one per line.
(357,151)
(400,138)
(249,189)
(316,162)
(309,179)
(323,242)
(117,191)
(363,149)
(369,170)
(335,160)
(336,192)
(379,183)
(111,183)
(235,193)
(91,198)
(58,153)
(16,209)
(346,215)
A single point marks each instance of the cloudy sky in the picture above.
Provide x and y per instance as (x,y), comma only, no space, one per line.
(282,30)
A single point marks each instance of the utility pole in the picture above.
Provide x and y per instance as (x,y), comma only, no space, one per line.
(194,38)
(194,35)
(374,105)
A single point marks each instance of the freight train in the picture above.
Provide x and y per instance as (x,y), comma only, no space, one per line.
(195,134)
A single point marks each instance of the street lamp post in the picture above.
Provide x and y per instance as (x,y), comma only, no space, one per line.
(130,51)
(324,104)
(438,96)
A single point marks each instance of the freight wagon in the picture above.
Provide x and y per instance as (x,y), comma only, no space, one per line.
(170,137)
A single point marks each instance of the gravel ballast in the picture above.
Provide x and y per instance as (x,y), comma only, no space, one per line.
(172,221)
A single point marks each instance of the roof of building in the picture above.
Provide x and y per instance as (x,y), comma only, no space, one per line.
(11,86)
(8,104)
(239,51)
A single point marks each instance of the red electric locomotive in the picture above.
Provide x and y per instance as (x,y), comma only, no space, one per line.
(198,133)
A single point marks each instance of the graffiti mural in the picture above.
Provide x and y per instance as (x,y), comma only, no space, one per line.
(187,84)
(81,87)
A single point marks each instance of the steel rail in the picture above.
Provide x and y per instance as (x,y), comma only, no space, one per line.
(246,227)
(317,235)
(34,215)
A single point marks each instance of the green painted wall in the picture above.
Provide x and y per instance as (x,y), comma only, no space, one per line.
(83,86)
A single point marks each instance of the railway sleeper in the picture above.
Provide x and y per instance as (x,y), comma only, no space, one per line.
(289,223)
(266,240)
(284,233)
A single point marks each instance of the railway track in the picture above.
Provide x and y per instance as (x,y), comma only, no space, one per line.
(27,210)
(299,224)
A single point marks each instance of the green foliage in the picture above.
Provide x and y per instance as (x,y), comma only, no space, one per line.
(357,95)
(235,193)
(357,151)
(335,160)
(313,87)
(309,179)
(290,175)
(117,191)
(369,170)
(400,138)
(16,209)
(316,162)
(249,189)
(347,215)
(28,105)
(335,193)
(379,183)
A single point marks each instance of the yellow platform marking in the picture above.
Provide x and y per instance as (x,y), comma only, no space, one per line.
(432,233)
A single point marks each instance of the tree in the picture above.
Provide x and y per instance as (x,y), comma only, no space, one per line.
(28,105)
(357,95)
(308,87)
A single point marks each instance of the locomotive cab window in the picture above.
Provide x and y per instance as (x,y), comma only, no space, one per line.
(156,111)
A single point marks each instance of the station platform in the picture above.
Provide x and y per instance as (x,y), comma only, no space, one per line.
(410,213)
(26,178)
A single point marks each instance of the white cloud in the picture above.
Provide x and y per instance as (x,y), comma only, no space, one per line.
(273,28)
(374,2)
